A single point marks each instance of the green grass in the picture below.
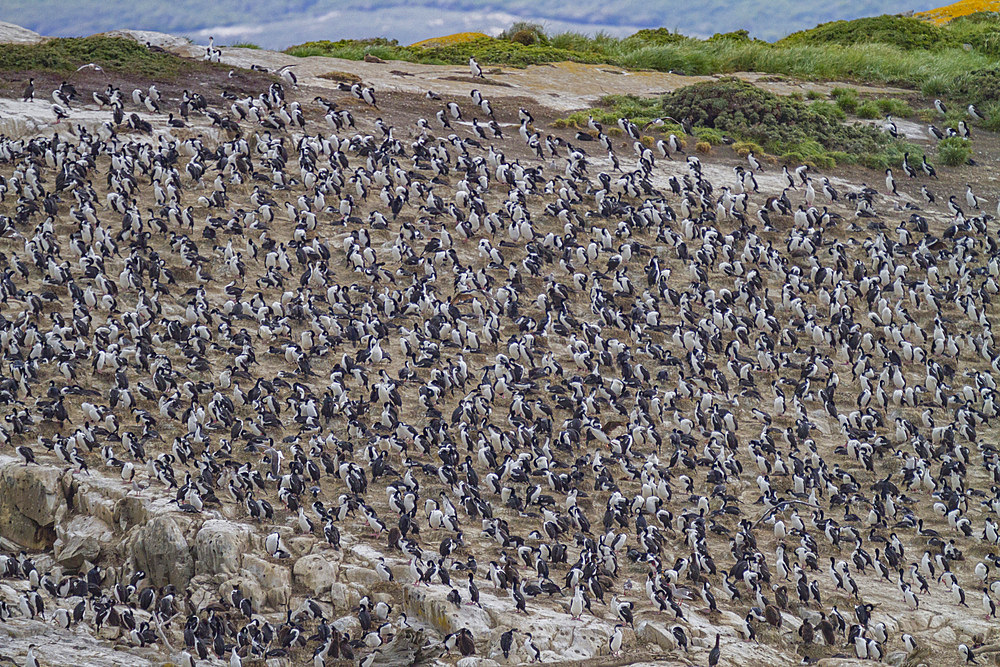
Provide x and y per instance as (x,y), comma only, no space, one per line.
(245,45)
(114,54)
(954,151)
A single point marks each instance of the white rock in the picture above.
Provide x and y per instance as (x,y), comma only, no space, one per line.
(15,34)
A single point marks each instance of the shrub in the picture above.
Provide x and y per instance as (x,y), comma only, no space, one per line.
(979,86)
(655,36)
(525,33)
(734,36)
(703,147)
(954,151)
(894,106)
(781,125)
(744,148)
(709,135)
(936,85)
(981,30)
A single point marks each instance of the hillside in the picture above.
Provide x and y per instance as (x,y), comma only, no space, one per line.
(279,23)
(335,361)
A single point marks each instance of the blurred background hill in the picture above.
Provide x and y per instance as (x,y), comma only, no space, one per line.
(280,23)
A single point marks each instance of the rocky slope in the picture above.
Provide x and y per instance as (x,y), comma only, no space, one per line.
(623,391)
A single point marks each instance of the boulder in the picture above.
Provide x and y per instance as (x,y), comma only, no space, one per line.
(31,503)
(129,511)
(219,547)
(160,549)
(275,580)
(656,633)
(315,573)
(343,596)
(411,646)
(359,575)
(15,34)
(476,661)
(80,539)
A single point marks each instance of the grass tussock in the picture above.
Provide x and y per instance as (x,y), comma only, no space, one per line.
(954,151)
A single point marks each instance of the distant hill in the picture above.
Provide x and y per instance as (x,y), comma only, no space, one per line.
(279,23)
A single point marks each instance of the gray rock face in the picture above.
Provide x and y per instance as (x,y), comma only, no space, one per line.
(161,550)
(80,539)
(31,502)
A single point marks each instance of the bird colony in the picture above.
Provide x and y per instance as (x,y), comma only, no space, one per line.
(310,375)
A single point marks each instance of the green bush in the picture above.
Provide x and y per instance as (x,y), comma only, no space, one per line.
(892,50)
(655,36)
(954,151)
(487,50)
(978,86)
(525,33)
(781,125)
(981,30)
(734,36)
(936,85)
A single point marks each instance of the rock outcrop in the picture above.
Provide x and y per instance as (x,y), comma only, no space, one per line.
(161,551)
(31,502)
